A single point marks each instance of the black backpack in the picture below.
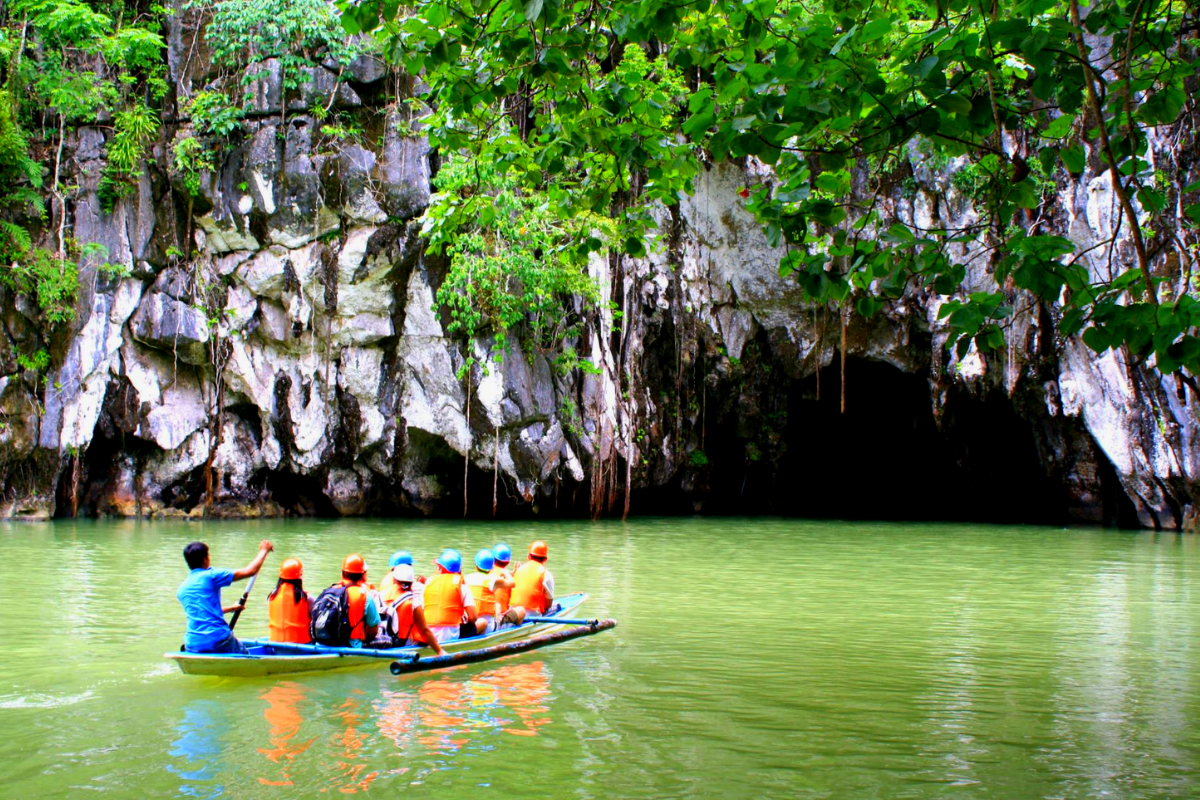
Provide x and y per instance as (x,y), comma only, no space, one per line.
(330,623)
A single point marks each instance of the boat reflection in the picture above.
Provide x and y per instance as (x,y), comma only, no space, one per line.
(363,738)
(283,714)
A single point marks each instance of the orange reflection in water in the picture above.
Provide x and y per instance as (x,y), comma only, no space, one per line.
(351,778)
(283,714)
(450,710)
(523,688)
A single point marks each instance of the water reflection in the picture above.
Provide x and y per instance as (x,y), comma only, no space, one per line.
(510,699)
(199,744)
(283,714)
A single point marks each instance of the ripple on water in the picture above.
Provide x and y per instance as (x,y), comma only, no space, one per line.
(43,700)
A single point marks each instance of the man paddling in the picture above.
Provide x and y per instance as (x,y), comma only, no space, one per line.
(200,596)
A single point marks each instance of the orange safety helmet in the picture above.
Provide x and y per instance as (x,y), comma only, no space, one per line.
(291,569)
(354,564)
(539,549)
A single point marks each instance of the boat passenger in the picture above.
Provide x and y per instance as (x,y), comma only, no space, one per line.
(483,583)
(509,614)
(362,611)
(200,595)
(408,617)
(289,606)
(534,589)
(447,602)
(503,555)
(389,588)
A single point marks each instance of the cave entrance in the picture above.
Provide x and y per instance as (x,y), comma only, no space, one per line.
(885,458)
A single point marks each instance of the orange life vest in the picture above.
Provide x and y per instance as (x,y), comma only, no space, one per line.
(443,600)
(287,617)
(485,599)
(529,593)
(404,619)
(503,595)
(356,601)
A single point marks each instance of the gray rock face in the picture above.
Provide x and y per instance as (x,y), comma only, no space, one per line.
(298,364)
(167,324)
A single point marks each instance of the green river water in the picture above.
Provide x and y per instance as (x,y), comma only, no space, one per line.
(754,658)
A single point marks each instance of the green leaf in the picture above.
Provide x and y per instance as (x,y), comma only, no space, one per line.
(875,29)
(920,69)
(789,264)
(698,124)
(700,99)
(845,37)
(1073,158)
(1152,200)
(1097,339)
(533,10)
(1059,127)
(954,103)
(829,182)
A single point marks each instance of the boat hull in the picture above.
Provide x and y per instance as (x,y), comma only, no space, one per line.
(264,660)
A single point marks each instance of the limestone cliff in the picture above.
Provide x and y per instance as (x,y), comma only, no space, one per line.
(297,362)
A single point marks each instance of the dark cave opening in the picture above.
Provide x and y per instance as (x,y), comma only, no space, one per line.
(300,495)
(886,459)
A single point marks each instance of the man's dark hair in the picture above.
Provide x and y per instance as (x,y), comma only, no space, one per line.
(539,559)
(194,554)
(353,577)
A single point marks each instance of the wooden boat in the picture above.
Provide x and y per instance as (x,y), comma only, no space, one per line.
(266,658)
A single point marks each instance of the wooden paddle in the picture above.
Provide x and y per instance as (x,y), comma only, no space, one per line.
(589,622)
(242,602)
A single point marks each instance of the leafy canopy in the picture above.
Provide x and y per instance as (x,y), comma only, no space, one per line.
(610,108)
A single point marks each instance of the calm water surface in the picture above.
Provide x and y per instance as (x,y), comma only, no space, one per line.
(754,658)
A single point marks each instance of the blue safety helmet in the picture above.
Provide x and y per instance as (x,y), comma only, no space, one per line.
(485,560)
(400,557)
(450,560)
(502,553)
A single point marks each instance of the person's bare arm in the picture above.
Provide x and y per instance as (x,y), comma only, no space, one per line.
(256,563)
(504,582)
(426,634)
(231,609)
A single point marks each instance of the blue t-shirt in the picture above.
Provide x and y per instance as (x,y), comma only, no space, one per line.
(200,595)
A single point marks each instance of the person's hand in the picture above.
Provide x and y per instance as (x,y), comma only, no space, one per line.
(266,545)
(437,648)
